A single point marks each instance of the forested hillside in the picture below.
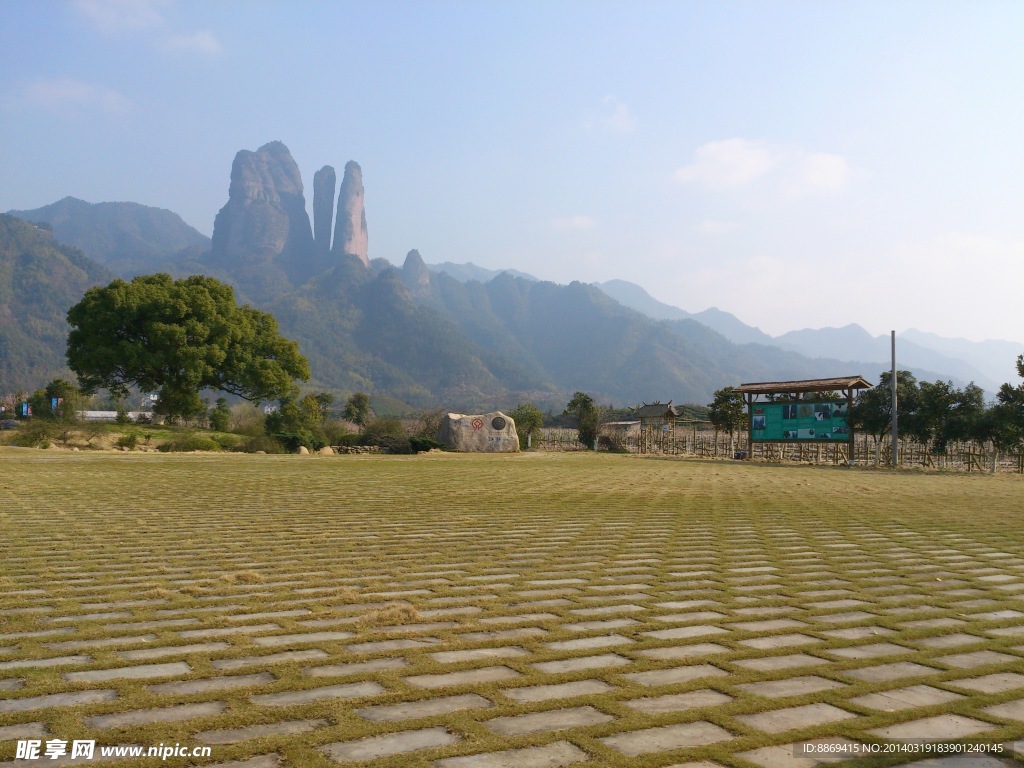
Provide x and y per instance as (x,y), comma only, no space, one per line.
(39,280)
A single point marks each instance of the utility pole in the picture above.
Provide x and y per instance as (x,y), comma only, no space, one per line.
(895,416)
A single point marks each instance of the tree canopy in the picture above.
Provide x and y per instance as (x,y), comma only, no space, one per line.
(1005,423)
(529,420)
(727,411)
(357,409)
(178,337)
(872,410)
(588,417)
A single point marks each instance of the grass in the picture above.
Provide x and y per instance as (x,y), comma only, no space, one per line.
(149,548)
(106,436)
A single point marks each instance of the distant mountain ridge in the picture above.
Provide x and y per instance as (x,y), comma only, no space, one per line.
(855,342)
(127,238)
(996,358)
(39,280)
(470,271)
(988,364)
(633,296)
(421,335)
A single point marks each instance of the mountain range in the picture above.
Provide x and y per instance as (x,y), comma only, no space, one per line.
(418,335)
(40,279)
(126,238)
(987,363)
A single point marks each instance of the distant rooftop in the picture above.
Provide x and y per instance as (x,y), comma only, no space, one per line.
(656,410)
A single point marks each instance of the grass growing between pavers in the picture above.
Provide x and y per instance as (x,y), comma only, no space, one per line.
(641,607)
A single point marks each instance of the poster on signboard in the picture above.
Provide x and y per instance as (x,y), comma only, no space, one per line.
(800,422)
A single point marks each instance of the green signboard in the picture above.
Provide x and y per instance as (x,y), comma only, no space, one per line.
(804,421)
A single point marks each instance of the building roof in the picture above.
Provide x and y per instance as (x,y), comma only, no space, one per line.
(656,410)
(806,385)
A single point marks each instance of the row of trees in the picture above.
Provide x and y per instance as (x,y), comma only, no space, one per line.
(937,413)
(180,337)
(933,414)
(582,410)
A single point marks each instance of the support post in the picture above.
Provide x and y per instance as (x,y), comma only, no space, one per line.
(895,414)
(750,427)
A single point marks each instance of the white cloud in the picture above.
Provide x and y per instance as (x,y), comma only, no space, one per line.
(202,42)
(740,163)
(620,120)
(113,17)
(728,163)
(70,97)
(716,227)
(815,171)
(117,17)
(571,223)
(615,118)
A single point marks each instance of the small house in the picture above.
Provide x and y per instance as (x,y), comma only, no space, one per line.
(657,415)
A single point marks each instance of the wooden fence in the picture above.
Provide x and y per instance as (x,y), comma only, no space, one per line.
(963,457)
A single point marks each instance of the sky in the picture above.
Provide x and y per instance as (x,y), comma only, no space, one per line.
(799,164)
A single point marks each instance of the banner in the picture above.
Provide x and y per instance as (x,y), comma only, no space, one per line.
(805,421)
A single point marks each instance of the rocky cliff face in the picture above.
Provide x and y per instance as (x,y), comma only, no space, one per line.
(324,185)
(263,231)
(350,236)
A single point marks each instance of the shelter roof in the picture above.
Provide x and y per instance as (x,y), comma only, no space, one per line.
(656,410)
(806,385)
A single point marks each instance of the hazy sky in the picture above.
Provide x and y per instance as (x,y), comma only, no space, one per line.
(800,164)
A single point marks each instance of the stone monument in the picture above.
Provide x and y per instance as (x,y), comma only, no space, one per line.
(480,433)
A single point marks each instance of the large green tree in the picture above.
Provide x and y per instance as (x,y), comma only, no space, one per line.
(178,337)
(588,417)
(728,412)
(1004,422)
(357,409)
(299,422)
(947,413)
(529,420)
(872,410)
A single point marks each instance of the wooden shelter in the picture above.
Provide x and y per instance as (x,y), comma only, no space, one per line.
(657,414)
(790,412)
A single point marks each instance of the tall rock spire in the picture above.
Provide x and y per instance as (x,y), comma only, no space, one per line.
(324,185)
(262,233)
(350,235)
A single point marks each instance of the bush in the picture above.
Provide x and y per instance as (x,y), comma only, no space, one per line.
(129,440)
(529,420)
(349,439)
(388,434)
(392,444)
(292,441)
(425,444)
(612,443)
(256,443)
(246,419)
(187,442)
(226,442)
(298,423)
(428,425)
(337,432)
(220,416)
(35,433)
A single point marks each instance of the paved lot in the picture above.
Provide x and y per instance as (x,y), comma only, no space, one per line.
(333,613)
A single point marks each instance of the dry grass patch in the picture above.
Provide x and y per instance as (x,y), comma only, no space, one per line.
(648,574)
(396,613)
(243,577)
